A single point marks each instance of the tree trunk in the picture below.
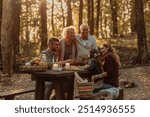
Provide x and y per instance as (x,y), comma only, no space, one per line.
(97,19)
(63,16)
(80,14)
(69,13)
(89,12)
(52,19)
(113,4)
(43,25)
(92,18)
(141,34)
(105,29)
(7,36)
(1,2)
(101,26)
(17,10)
(133,20)
(16,33)
(27,26)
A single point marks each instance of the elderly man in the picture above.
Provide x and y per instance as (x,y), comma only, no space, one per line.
(85,42)
(51,56)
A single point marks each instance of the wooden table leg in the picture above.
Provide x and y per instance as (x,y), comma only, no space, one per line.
(71,90)
(39,90)
(59,91)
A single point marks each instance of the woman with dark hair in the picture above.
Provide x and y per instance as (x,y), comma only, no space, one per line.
(110,66)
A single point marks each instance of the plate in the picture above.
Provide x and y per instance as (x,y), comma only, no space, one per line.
(74,68)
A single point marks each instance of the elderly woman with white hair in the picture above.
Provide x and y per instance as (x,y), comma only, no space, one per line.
(67,53)
(68,49)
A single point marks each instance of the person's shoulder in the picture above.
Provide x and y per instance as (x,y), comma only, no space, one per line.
(62,39)
(44,52)
(110,56)
(77,37)
(91,37)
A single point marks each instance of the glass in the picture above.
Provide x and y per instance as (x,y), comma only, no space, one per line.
(43,57)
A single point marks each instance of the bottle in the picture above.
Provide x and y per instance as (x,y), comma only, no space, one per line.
(43,59)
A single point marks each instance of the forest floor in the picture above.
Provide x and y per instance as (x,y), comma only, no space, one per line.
(139,76)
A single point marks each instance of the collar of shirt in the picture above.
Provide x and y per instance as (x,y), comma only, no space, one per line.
(84,42)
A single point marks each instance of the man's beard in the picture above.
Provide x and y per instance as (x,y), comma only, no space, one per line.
(54,49)
(84,35)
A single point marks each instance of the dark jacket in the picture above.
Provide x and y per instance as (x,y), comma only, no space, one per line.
(111,67)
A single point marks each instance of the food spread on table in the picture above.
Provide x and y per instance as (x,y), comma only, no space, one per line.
(36,64)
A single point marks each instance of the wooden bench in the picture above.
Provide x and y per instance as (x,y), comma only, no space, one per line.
(10,95)
(102,96)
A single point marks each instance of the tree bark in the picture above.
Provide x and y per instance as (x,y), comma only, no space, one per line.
(7,36)
(141,34)
(62,10)
(17,10)
(89,12)
(16,32)
(69,13)
(52,19)
(92,18)
(113,4)
(133,20)
(97,19)
(101,26)
(43,25)
(1,2)
(80,14)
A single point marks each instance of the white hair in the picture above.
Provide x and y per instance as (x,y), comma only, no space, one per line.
(84,25)
(67,29)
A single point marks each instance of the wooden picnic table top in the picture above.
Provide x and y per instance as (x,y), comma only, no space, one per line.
(49,74)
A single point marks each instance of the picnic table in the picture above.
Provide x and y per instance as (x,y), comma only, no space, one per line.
(58,77)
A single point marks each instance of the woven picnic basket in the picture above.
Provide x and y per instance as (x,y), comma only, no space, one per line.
(86,88)
(36,68)
(83,88)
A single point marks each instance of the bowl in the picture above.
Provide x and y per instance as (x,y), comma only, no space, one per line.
(57,69)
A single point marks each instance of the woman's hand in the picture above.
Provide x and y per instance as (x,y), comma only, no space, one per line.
(86,66)
(96,77)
